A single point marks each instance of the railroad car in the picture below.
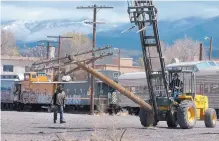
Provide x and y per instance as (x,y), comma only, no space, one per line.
(7,90)
(207,83)
(35,92)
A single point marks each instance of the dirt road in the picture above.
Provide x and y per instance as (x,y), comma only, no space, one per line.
(27,126)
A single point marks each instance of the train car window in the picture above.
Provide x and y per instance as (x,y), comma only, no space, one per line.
(26,76)
(34,76)
(211,63)
(214,88)
(206,88)
(41,74)
(49,77)
(8,68)
(110,88)
(202,65)
(184,68)
(133,89)
(190,68)
(201,89)
(101,92)
(81,91)
(195,69)
(115,75)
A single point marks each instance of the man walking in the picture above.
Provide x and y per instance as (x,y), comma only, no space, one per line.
(59,101)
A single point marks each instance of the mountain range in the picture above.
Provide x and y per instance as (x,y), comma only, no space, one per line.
(28,32)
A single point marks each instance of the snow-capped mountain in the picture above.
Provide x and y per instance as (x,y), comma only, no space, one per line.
(29,32)
(36,30)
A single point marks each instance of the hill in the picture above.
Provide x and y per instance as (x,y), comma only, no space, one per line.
(28,32)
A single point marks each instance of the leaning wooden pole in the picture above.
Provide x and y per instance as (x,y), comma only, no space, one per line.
(113,84)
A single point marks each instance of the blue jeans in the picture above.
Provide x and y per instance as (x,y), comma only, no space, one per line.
(176,93)
(61,111)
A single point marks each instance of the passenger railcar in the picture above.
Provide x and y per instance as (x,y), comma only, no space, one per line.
(207,82)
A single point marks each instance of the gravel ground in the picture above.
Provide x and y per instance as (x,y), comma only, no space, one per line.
(27,126)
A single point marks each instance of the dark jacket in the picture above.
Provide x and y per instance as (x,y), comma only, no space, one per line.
(177,83)
(59,98)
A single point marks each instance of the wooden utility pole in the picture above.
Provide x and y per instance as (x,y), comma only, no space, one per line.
(210,48)
(201,52)
(94,7)
(47,47)
(59,51)
(119,60)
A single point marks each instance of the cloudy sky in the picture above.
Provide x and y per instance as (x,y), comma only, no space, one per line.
(49,10)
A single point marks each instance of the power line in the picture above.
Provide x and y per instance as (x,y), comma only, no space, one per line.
(95,8)
(36,65)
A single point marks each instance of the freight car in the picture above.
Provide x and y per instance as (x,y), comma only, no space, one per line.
(36,89)
(207,83)
(7,90)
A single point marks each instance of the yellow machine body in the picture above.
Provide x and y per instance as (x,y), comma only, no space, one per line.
(38,77)
(201,103)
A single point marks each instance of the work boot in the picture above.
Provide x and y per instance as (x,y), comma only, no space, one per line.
(54,121)
(62,122)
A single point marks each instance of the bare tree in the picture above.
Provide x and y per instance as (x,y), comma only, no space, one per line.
(38,51)
(153,54)
(140,61)
(8,43)
(184,49)
(78,43)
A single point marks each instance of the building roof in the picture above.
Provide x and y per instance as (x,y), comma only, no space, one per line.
(133,75)
(182,64)
(112,65)
(126,58)
(19,58)
(198,64)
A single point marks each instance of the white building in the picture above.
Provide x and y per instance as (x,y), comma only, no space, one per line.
(15,64)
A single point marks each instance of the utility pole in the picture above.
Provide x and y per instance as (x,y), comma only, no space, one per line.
(47,47)
(59,51)
(200,52)
(210,49)
(94,7)
(119,58)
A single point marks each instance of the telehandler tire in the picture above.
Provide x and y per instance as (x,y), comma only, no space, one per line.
(210,118)
(186,114)
(146,118)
